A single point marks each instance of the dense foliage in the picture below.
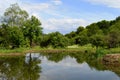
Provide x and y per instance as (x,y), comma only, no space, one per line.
(18,29)
(100,34)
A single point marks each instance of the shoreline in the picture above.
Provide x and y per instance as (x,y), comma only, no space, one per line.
(23,51)
(39,51)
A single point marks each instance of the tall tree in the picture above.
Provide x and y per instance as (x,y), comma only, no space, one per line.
(13,19)
(32,29)
(15,16)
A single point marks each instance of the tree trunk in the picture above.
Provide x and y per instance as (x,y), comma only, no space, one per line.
(30,42)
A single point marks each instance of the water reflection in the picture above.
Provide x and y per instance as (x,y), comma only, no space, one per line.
(57,66)
(16,68)
(77,66)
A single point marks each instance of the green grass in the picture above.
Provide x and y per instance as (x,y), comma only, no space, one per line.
(17,50)
(115,50)
(87,48)
(39,49)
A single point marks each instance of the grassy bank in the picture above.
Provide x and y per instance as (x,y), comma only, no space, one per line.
(74,48)
(39,49)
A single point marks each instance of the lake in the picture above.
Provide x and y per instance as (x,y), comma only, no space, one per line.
(57,66)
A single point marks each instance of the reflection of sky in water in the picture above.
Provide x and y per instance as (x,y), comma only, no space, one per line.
(69,69)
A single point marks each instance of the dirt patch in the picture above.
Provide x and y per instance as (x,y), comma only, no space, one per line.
(12,54)
(112,58)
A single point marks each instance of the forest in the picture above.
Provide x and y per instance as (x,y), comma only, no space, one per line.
(19,29)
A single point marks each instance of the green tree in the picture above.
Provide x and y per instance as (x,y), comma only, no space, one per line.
(32,29)
(79,29)
(104,26)
(15,16)
(58,40)
(45,40)
(4,37)
(113,38)
(16,37)
(82,38)
(97,40)
(71,36)
(13,19)
(92,29)
(117,19)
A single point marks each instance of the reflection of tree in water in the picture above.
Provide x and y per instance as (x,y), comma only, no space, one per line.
(56,57)
(10,67)
(32,67)
(16,68)
(95,62)
(113,67)
(91,59)
(27,68)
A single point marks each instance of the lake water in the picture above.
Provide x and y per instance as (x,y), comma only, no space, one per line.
(54,66)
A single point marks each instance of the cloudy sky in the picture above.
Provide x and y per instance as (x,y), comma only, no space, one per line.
(66,15)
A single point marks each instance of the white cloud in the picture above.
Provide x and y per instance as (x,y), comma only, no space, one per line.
(63,25)
(46,10)
(5,4)
(30,7)
(36,7)
(57,2)
(109,3)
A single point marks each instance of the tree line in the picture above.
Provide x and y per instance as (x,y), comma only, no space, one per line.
(19,29)
(104,34)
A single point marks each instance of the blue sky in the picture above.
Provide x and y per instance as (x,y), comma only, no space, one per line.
(66,15)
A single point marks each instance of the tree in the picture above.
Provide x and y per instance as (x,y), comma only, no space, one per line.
(71,34)
(97,40)
(13,19)
(82,38)
(117,19)
(18,28)
(92,29)
(113,37)
(79,29)
(58,40)
(104,26)
(15,16)
(45,40)
(4,36)
(32,29)
(16,37)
